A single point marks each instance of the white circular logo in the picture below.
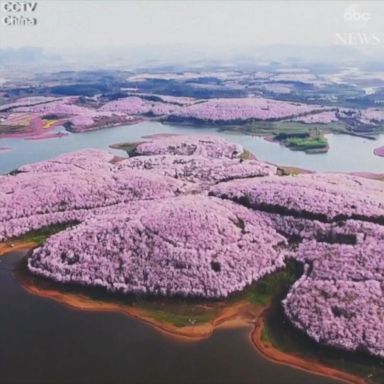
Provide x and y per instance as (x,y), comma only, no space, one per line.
(356,16)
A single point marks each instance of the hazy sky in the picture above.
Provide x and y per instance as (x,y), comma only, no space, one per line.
(98,23)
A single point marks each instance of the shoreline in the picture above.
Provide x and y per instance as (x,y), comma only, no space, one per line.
(229,316)
(279,357)
(235,315)
(48,134)
(309,151)
(16,246)
(241,314)
(379,151)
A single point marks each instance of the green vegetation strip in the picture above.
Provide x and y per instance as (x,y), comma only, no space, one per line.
(42,234)
(180,315)
(273,287)
(274,128)
(306,144)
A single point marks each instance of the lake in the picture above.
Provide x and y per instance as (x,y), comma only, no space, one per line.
(42,341)
(346,154)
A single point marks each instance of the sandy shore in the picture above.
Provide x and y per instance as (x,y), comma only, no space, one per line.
(234,315)
(287,170)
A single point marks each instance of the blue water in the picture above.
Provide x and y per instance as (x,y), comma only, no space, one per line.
(346,154)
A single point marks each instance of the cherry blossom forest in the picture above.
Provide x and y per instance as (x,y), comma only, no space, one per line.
(192,216)
(36,114)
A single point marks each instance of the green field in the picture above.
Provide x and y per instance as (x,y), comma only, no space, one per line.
(307,144)
(39,236)
(273,128)
(294,135)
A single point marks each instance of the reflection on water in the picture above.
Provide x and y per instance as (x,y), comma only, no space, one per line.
(347,153)
(45,342)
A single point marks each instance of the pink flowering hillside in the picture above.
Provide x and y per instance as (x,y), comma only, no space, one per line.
(138,106)
(207,146)
(51,111)
(325,197)
(31,117)
(185,246)
(81,118)
(372,116)
(64,106)
(224,110)
(32,201)
(76,185)
(55,192)
(199,169)
(344,314)
(339,301)
(258,108)
(325,117)
(85,159)
(26,102)
(335,223)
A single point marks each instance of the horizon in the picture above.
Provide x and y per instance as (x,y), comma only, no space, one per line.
(82,26)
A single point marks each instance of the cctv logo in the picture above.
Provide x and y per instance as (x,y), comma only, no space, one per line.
(19,6)
(15,11)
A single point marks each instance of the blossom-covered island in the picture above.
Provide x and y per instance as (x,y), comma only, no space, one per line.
(192,216)
(299,125)
(379,151)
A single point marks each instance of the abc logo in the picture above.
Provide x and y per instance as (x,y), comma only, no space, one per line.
(354,13)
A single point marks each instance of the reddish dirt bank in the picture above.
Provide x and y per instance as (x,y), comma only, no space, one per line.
(16,246)
(228,316)
(311,366)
